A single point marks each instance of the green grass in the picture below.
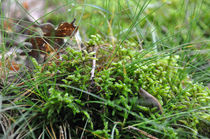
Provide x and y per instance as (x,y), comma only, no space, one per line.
(161,46)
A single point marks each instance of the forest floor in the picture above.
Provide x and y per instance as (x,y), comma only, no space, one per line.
(104,69)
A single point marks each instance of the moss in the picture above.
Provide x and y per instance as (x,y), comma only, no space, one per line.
(113,94)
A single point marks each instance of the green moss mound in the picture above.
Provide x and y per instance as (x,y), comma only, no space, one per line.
(108,105)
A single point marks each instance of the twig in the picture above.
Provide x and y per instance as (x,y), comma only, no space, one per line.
(61,133)
(94,64)
(92,73)
(142,132)
(49,132)
(52,130)
(64,130)
(69,131)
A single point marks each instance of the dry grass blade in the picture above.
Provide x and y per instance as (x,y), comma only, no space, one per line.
(24,94)
(5,124)
(142,132)
(61,133)
(53,131)
(49,133)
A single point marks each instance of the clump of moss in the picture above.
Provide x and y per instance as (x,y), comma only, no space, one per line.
(112,96)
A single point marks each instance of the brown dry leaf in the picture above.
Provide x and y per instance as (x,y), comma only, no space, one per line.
(52,38)
(37,46)
(66,29)
(13,66)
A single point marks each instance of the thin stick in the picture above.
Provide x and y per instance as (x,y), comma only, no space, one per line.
(53,131)
(142,132)
(69,131)
(49,132)
(94,64)
(61,133)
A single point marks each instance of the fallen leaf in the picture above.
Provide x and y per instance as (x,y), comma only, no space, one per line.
(52,38)
(66,29)
(37,46)
(12,66)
